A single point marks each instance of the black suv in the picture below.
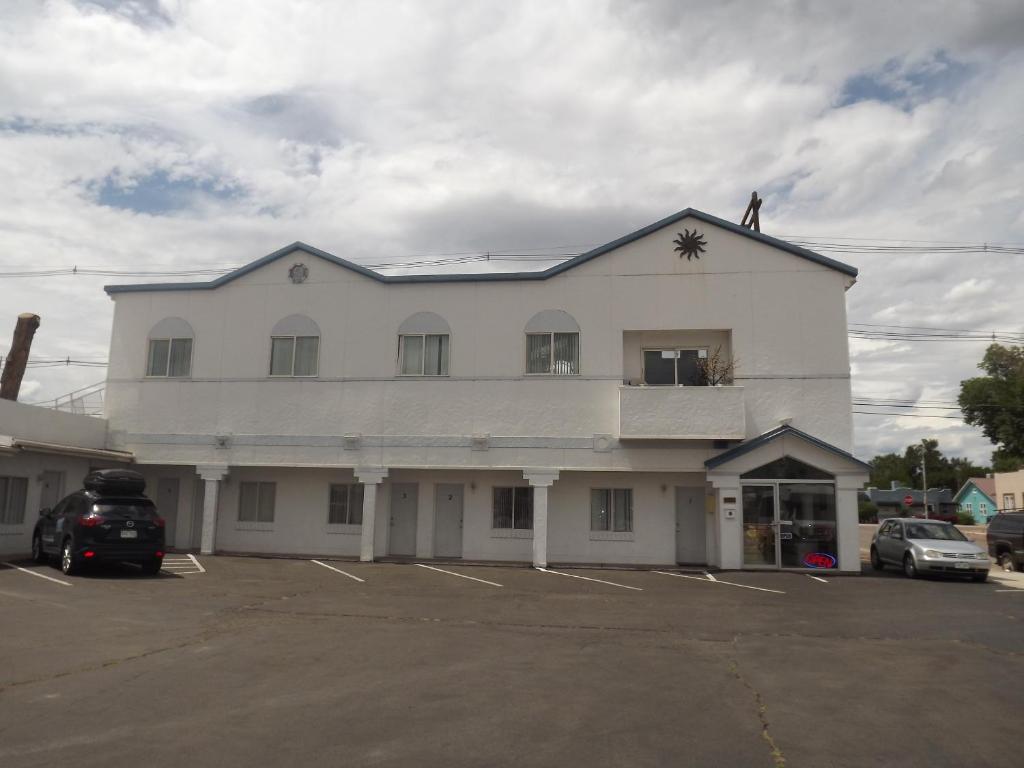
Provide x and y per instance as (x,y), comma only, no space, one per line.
(110,519)
(1005,537)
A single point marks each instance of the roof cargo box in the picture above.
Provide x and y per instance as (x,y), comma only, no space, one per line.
(115,481)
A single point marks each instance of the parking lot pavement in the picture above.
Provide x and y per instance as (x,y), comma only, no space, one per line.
(279,662)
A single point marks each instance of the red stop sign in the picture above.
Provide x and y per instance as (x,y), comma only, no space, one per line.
(908,500)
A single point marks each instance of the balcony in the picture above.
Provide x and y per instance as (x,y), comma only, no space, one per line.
(681,413)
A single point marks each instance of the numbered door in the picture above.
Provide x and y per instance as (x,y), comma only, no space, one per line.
(402,537)
(691,541)
(52,490)
(448,521)
(167,506)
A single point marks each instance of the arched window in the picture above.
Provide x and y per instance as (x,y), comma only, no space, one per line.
(170,349)
(423,345)
(295,347)
(553,344)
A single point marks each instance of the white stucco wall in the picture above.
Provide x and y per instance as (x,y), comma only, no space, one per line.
(783,317)
(31,422)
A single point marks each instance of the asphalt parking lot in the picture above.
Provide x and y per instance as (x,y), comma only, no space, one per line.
(282,662)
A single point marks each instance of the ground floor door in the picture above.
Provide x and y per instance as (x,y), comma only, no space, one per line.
(404,503)
(790,524)
(448,521)
(195,536)
(691,534)
(53,489)
(167,507)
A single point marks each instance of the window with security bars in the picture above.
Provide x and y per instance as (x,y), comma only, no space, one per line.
(557,354)
(423,354)
(256,502)
(611,509)
(13,491)
(513,508)
(169,358)
(346,505)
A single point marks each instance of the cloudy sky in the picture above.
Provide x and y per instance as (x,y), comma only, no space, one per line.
(172,134)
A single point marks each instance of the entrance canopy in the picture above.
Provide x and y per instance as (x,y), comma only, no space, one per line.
(782,442)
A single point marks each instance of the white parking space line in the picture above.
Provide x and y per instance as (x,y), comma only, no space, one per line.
(1015,591)
(817,578)
(719,581)
(460,575)
(38,575)
(338,570)
(587,578)
(710,577)
(181,565)
(195,560)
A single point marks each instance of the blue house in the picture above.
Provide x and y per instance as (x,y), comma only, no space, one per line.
(978,499)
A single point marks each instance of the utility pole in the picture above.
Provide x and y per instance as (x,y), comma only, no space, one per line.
(924,476)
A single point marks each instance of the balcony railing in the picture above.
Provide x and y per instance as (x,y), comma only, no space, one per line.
(681,413)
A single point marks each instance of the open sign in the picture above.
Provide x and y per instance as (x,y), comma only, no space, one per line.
(819,560)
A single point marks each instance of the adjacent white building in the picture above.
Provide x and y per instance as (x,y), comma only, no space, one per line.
(304,404)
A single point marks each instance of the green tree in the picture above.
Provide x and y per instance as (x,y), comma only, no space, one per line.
(905,469)
(996,402)
(1004,461)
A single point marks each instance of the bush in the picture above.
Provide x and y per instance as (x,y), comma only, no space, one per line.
(964,518)
(868,512)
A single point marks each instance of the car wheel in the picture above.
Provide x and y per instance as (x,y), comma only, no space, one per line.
(876,561)
(909,567)
(38,555)
(69,564)
(152,567)
(1006,562)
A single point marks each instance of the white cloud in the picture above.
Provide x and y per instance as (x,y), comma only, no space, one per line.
(379,129)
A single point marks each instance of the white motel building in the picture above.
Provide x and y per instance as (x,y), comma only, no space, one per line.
(586,413)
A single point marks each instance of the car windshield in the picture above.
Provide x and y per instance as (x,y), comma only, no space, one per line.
(942,531)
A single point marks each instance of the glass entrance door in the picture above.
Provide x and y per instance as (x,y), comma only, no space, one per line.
(807,525)
(759,526)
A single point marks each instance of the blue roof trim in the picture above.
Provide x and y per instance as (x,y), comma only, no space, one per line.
(963,492)
(767,437)
(493,276)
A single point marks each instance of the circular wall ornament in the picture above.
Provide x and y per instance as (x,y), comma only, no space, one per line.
(690,244)
(298,273)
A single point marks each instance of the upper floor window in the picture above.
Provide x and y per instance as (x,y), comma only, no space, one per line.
(295,347)
(553,344)
(170,349)
(423,345)
(674,367)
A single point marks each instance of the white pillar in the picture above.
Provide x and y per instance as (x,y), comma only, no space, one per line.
(371,479)
(211,475)
(540,480)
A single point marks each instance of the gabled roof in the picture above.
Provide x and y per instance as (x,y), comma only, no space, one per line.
(781,431)
(494,276)
(987,485)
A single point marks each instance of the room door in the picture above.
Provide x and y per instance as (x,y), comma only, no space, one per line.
(402,537)
(53,489)
(167,507)
(448,521)
(691,541)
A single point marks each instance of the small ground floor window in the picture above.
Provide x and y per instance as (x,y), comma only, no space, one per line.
(611,509)
(256,502)
(13,491)
(513,508)
(346,505)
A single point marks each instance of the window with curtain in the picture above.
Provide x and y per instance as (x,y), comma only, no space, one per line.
(346,505)
(513,508)
(256,502)
(170,358)
(553,353)
(423,354)
(611,509)
(13,492)
(294,355)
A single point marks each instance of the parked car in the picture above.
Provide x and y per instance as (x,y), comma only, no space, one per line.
(1005,537)
(109,519)
(927,546)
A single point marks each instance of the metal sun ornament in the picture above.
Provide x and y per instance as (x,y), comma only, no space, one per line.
(298,273)
(690,244)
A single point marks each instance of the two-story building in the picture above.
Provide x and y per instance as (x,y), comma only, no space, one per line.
(679,395)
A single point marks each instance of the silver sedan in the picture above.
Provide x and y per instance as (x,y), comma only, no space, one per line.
(927,546)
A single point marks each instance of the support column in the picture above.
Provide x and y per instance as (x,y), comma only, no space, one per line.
(371,478)
(211,475)
(540,480)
